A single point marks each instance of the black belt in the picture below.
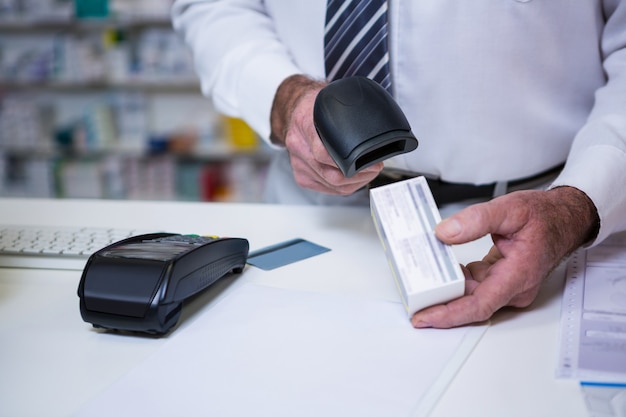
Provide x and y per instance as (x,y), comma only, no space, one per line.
(449,192)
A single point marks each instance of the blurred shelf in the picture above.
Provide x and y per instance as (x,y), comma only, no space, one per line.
(83,24)
(149,86)
(206,153)
(103,107)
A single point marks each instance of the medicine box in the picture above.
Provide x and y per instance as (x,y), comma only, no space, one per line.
(424,268)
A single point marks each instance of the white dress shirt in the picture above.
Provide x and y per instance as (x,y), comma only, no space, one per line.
(493,90)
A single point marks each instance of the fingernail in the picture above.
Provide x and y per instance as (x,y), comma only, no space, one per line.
(420,324)
(450,227)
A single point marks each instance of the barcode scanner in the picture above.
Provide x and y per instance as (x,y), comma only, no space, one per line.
(360,124)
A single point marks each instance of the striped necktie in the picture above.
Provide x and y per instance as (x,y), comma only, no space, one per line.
(355,40)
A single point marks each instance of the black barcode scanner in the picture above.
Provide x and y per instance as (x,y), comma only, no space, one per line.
(360,124)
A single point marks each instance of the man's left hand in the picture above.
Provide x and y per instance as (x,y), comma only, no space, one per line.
(532,232)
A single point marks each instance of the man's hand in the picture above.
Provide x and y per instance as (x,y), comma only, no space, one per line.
(532,232)
(292,127)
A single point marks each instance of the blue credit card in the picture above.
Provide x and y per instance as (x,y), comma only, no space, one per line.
(284,253)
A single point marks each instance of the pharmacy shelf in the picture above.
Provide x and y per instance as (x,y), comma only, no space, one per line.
(83,24)
(148,86)
(204,176)
(111,78)
(217,152)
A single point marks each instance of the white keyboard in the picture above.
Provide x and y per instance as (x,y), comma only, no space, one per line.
(54,247)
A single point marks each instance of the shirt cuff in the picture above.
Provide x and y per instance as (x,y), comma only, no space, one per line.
(254,88)
(601,174)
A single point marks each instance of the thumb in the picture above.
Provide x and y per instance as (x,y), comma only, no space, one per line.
(449,230)
(469,224)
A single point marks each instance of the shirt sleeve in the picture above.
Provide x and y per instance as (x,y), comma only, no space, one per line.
(237,55)
(596,163)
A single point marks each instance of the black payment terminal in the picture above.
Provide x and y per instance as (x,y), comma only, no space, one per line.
(139,284)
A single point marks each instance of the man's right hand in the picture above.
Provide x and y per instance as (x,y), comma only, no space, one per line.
(292,127)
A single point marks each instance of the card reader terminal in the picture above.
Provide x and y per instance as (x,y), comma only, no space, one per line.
(139,284)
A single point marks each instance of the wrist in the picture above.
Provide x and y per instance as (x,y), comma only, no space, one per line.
(286,99)
(583,214)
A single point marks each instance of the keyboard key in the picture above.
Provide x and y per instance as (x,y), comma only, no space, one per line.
(49,247)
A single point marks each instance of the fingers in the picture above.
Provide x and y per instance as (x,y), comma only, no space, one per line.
(503,215)
(531,230)
(329,179)
(470,308)
(461,311)
(491,284)
(312,165)
(479,270)
(481,301)
(315,169)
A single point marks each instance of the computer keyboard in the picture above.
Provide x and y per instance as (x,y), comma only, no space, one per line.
(54,247)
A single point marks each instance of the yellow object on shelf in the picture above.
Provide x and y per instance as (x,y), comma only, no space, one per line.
(239,134)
